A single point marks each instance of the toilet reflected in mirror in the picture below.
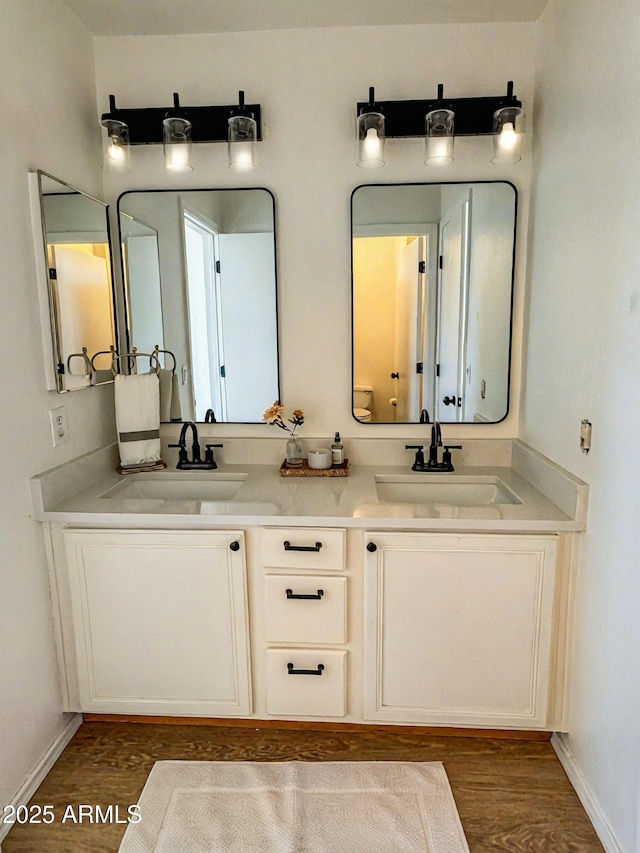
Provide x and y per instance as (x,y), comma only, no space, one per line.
(362,401)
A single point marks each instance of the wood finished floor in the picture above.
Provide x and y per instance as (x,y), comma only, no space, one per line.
(512,796)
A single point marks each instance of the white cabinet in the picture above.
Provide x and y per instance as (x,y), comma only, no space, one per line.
(160,621)
(447,629)
(305,610)
(459,629)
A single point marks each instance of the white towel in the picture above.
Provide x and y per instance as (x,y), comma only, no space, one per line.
(100,376)
(165,377)
(137,399)
(176,408)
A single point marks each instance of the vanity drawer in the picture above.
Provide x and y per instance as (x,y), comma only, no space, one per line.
(306,683)
(304,547)
(303,609)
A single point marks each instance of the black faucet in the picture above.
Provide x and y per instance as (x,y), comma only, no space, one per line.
(433,463)
(436,442)
(195,463)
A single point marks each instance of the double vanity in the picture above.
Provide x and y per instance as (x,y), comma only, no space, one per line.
(396,594)
(387,596)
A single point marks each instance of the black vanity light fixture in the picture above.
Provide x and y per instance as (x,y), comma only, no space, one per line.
(371,134)
(500,116)
(177,127)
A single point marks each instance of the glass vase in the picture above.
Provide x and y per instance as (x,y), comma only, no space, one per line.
(294,452)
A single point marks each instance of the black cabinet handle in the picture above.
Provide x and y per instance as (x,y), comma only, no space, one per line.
(317,671)
(291,594)
(371,546)
(235,546)
(289,547)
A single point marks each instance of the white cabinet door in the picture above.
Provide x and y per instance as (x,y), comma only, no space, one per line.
(458,629)
(160,621)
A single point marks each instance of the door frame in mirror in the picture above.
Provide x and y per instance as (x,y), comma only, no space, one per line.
(509,347)
(54,366)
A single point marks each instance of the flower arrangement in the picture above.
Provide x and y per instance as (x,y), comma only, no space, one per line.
(273,415)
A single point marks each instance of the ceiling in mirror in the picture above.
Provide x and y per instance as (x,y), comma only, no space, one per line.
(79,283)
(432,290)
(200,283)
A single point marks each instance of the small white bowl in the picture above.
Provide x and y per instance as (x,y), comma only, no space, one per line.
(320,458)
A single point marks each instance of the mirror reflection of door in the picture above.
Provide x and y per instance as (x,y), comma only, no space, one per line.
(395,278)
(248,318)
(202,258)
(140,264)
(452,314)
(415,332)
(230,296)
(82,291)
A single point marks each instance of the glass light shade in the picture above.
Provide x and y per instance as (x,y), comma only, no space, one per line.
(439,137)
(508,128)
(242,143)
(116,155)
(371,140)
(177,144)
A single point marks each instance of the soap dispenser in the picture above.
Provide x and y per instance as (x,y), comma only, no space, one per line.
(337,451)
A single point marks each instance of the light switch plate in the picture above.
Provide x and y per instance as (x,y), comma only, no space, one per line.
(59,425)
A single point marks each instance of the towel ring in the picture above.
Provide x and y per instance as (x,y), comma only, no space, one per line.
(134,354)
(87,363)
(156,352)
(111,351)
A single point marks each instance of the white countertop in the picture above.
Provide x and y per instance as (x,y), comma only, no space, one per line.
(74,495)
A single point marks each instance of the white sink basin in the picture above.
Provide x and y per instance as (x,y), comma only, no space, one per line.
(448,489)
(192,486)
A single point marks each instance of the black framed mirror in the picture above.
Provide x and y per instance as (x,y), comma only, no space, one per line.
(200,283)
(432,297)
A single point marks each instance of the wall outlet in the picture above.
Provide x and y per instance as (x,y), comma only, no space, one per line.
(59,426)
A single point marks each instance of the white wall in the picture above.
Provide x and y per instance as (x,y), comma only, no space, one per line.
(50,123)
(584,318)
(582,362)
(308,83)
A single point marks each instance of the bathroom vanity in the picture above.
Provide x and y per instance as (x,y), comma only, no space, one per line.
(387,596)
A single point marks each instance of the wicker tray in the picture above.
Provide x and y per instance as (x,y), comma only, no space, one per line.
(304,470)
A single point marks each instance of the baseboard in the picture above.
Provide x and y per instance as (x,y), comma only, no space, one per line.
(35,778)
(320,726)
(585,795)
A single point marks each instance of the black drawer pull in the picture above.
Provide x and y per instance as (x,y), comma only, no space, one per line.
(317,671)
(289,547)
(291,594)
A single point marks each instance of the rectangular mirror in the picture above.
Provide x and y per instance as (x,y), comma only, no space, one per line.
(77,285)
(432,291)
(200,284)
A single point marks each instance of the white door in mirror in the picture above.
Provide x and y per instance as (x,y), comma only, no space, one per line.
(59,426)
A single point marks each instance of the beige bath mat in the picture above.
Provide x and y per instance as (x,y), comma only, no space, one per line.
(296,807)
